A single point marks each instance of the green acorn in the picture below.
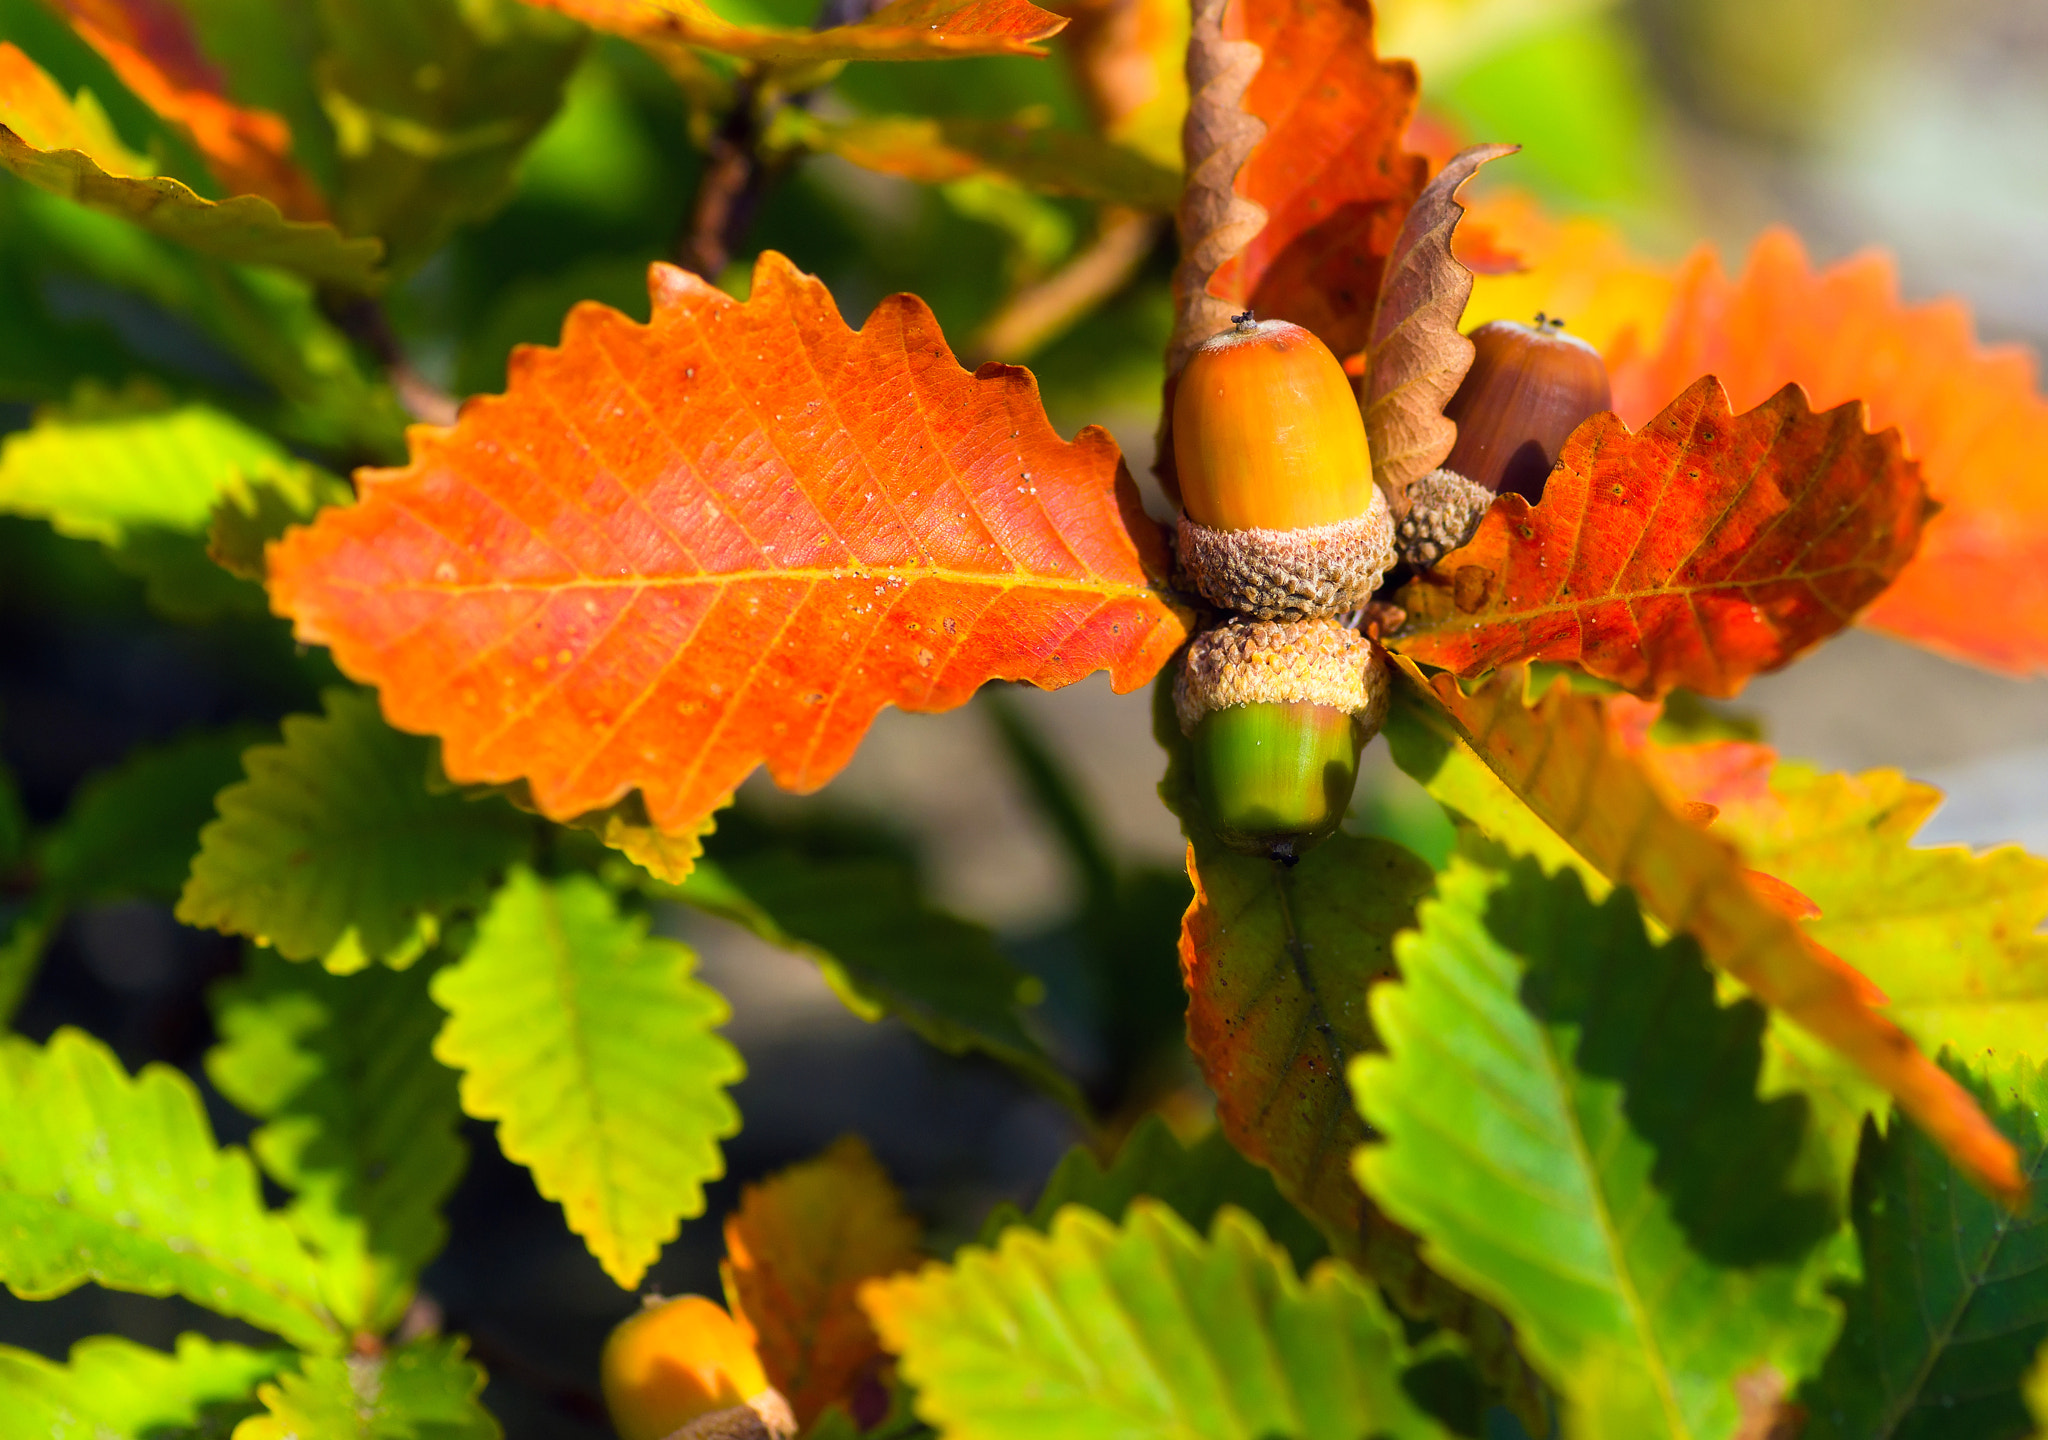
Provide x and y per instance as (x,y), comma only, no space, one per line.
(1276,713)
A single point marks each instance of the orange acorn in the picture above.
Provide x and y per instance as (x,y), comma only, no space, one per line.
(686,1360)
(1529,387)
(1267,433)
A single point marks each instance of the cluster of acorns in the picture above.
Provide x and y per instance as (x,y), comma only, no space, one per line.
(1283,530)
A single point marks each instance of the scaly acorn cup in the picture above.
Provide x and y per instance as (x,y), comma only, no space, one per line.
(685,1369)
(1279,518)
(1529,387)
(1275,713)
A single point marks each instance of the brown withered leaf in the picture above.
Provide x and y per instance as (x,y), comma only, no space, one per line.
(1215,222)
(1416,358)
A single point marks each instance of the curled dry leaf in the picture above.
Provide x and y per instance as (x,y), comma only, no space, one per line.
(1215,222)
(673,551)
(1971,415)
(1415,357)
(1560,753)
(798,1249)
(1697,551)
(904,30)
(150,45)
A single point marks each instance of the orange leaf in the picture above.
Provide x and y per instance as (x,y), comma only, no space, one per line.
(1697,551)
(1330,172)
(150,45)
(1577,268)
(797,1250)
(904,30)
(673,551)
(1978,589)
(1562,757)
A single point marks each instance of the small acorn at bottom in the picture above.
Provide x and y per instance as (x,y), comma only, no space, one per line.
(683,1363)
(1276,714)
(1529,387)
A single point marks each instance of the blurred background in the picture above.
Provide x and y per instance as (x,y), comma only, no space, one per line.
(1908,124)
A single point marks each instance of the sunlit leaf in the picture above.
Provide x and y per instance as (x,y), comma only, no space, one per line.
(797,1251)
(1570,1124)
(1195,1181)
(1028,151)
(1145,1330)
(250,516)
(423,1390)
(1697,551)
(141,475)
(902,30)
(674,551)
(885,950)
(1128,57)
(591,1045)
(1560,762)
(114,1389)
(117,1181)
(1415,357)
(360,1120)
(151,45)
(67,148)
(334,850)
(433,104)
(1951,1308)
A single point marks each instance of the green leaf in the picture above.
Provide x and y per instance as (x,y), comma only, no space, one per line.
(1145,1330)
(133,829)
(418,159)
(68,148)
(114,1389)
(22,940)
(884,950)
(1571,1125)
(425,1390)
(118,1181)
(361,1122)
(141,476)
(333,849)
(244,521)
(13,820)
(1954,1300)
(1194,1181)
(592,1046)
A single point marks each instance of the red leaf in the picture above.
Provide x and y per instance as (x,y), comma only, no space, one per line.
(798,1249)
(1698,551)
(1331,173)
(150,45)
(1978,588)
(676,550)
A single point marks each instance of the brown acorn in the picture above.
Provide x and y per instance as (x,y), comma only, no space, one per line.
(1529,387)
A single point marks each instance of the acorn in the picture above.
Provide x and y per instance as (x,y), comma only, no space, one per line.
(1280,517)
(1529,387)
(1276,713)
(685,1369)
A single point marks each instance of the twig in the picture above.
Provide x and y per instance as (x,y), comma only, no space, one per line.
(1039,314)
(364,321)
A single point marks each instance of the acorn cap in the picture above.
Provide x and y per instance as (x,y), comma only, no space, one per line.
(1529,387)
(1289,574)
(1250,662)
(1267,433)
(1444,508)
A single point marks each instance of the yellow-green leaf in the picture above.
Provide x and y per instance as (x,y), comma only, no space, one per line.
(114,1389)
(425,1390)
(594,1049)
